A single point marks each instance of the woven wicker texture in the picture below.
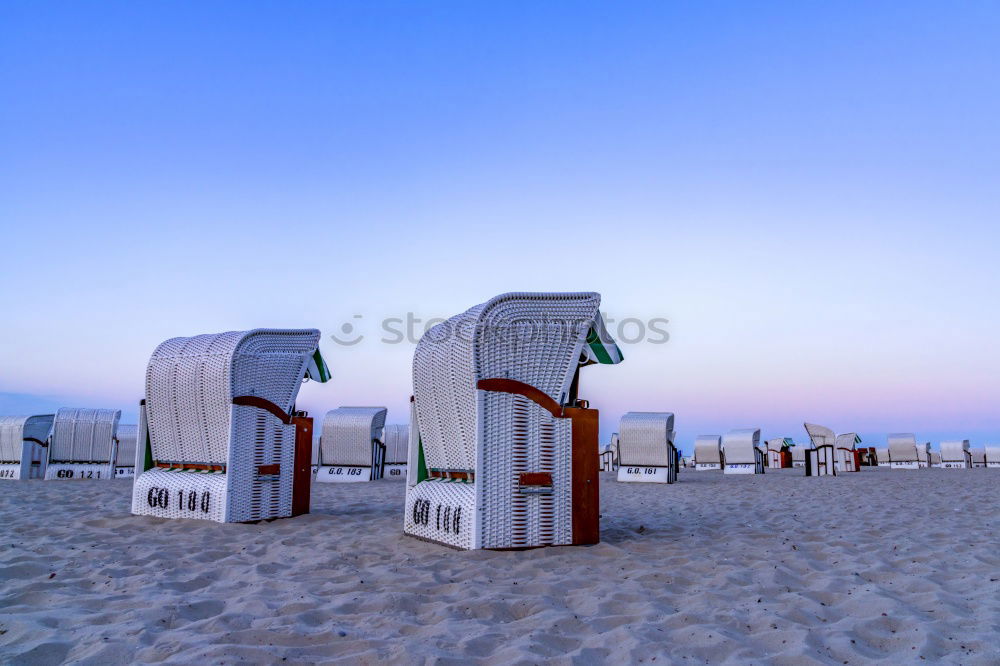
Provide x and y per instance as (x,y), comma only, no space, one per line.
(708,449)
(646,438)
(396,444)
(181,494)
(902,447)
(741,446)
(83,435)
(442,511)
(126,445)
(348,435)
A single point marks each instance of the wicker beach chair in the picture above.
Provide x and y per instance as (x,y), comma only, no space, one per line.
(24,442)
(977,458)
(779,452)
(83,444)
(609,456)
(502,452)
(397,439)
(935,459)
(799,453)
(708,453)
(646,447)
(848,456)
(882,456)
(903,453)
(993,457)
(821,459)
(352,448)
(125,436)
(219,437)
(955,454)
(742,451)
(924,455)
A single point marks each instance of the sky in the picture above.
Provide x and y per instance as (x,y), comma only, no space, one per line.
(807,192)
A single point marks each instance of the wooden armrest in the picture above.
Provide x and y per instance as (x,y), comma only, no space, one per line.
(539,397)
(266,405)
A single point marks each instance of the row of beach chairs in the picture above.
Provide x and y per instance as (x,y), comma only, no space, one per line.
(500,451)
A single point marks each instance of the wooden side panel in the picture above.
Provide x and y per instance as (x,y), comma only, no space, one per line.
(586,477)
(302,480)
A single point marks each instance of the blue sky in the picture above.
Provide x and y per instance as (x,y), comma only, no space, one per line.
(808,192)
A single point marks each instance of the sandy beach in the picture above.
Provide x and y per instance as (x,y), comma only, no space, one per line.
(879,566)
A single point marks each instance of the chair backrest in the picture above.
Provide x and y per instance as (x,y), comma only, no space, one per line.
(776,444)
(820,435)
(348,433)
(903,447)
(191,383)
(708,449)
(397,438)
(644,438)
(127,435)
(847,441)
(954,450)
(15,429)
(83,435)
(740,446)
(534,338)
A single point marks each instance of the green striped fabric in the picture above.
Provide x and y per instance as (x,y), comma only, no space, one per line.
(600,347)
(316,369)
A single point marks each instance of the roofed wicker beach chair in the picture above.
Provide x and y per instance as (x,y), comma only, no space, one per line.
(352,447)
(503,454)
(125,451)
(924,455)
(993,457)
(83,444)
(779,452)
(935,459)
(219,437)
(848,457)
(978,457)
(821,459)
(903,453)
(24,442)
(742,450)
(708,452)
(955,454)
(799,452)
(646,447)
(609,456)
(882,455)
(397,439)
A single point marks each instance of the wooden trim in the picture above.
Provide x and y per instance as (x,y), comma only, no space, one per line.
(440,474)
(265,404)
(37,441)
(585,474)
(542,399)
(302,470)
(535,479)
(196,466)
(268,470)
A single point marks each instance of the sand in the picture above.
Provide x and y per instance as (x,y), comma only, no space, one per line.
(879,566)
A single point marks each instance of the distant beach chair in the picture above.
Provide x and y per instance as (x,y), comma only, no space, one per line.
(83,444)
(848,458)
(955,454)
(779,452)
(977,458)
(397,438)
(351,448)
(799,453)
(742,451)
(126,435)
(609,456)
(924,455)
(646,447)
(219,437)
(821,459)
(903,453)
(882,455)
(935,459)
(506,453)
(868,456)
(24,442)
(993,457)
(708,452)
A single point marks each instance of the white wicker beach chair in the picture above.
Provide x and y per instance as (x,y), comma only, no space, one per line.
(799,452)
(125,453)
(708,453)
(955,454)
(397,438)
(882,454)
(502,453)
(821,459)
(779,452)
(352,448)
(83,444)
(24,442)
(609,456)
(903,453)
(935,459)
(742,451)
(992,457)
(848,458)
(646,447)
(977,458)
(924,455)
(219,437)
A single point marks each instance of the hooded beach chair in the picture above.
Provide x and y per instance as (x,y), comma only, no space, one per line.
(779,452)
(742,450)
(503,454)
(848,457)
(125,454)
(219,437)
(903,453)
(924,455)
(646,448)
(352,447)
(821,459)
(955,454)
(935,459)
(609,456)
(992,457)
(977,457)
(24,442)
(83,444)
(882,457)
(708,452)
(397,439)
(799,453)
